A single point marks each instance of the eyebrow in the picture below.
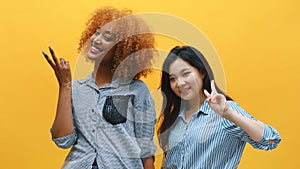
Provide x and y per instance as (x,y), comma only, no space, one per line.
(110,34)
(107,32)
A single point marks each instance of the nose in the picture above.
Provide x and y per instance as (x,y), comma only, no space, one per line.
(180,82)
(97,40)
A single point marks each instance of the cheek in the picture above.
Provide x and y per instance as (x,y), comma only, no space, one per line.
(195,83)
(108,44)
(91,38)
(173,87)
(199,85)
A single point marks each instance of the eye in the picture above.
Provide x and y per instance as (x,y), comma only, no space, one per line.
(96,33)
(108,36)
(185,74)
(108,39)
(172,79)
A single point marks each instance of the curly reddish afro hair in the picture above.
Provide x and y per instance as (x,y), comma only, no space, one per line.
(134,39)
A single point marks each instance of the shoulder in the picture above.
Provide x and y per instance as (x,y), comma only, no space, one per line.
(235,106)
(138,85)
(78,83)
(140,90)
(232,103)
(81,82)
(80,86)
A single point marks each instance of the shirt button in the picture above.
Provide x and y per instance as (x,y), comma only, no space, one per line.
(93,130)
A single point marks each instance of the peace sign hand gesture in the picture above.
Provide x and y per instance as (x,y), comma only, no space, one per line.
(216,101)
(61,69)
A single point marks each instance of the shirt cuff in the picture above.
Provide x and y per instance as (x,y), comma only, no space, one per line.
(270,134)
(66,141)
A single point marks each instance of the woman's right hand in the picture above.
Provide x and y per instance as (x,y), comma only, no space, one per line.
(61,68)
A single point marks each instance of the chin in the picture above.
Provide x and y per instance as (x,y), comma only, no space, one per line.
(92,56)
(187,97)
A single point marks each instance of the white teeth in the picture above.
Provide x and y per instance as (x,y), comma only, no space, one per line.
(95,49)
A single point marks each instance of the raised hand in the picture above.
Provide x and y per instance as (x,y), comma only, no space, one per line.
(216,101)
(61,68)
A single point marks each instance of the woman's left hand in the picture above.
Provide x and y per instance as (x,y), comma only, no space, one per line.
(216,101)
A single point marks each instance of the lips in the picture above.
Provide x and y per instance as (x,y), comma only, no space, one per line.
(95,49)
(184,90)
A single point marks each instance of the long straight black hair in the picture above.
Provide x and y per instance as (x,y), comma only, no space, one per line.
(171,102)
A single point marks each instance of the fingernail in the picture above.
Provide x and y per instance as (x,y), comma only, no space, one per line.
(51,50)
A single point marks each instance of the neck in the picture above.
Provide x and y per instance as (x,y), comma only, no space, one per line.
(103,74)
(194,105)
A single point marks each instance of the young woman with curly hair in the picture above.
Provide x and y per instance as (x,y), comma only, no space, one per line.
(108,118)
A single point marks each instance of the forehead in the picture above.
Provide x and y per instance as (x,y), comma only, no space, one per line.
(107,28)
(178,66)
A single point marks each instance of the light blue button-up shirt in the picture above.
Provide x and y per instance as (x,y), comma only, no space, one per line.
(209,141)
(120,145)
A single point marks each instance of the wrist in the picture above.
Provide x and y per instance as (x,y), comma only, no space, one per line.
(65,85)
(226,112)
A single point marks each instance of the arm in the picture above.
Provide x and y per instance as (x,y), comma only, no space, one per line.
(270,136)
(148,163)
(254,129)
(257,131)
(63,122)
(144,116)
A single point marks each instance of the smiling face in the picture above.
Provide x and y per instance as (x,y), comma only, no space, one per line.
(185,80)
(102,44)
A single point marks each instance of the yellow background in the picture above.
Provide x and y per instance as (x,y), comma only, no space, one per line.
(257,41)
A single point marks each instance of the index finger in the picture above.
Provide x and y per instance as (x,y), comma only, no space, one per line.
(212,85)
(48,60)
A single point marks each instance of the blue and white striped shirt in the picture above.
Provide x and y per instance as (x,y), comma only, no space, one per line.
(119,141)
(209,141)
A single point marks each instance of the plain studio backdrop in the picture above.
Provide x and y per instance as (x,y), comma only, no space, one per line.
(257,43)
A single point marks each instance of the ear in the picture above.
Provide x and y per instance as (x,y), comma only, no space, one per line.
(202,74)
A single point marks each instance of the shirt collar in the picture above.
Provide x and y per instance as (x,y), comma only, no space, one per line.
(90,81)
(204,109)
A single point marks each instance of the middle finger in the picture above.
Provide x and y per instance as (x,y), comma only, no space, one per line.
(53,55)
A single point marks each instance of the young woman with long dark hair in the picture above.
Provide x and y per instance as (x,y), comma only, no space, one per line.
(200,126)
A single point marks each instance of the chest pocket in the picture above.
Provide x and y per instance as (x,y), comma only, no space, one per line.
(115,109)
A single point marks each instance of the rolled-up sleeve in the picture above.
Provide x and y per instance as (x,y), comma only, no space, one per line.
(270,138)
(66,141)
(269,141)
(145,118)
